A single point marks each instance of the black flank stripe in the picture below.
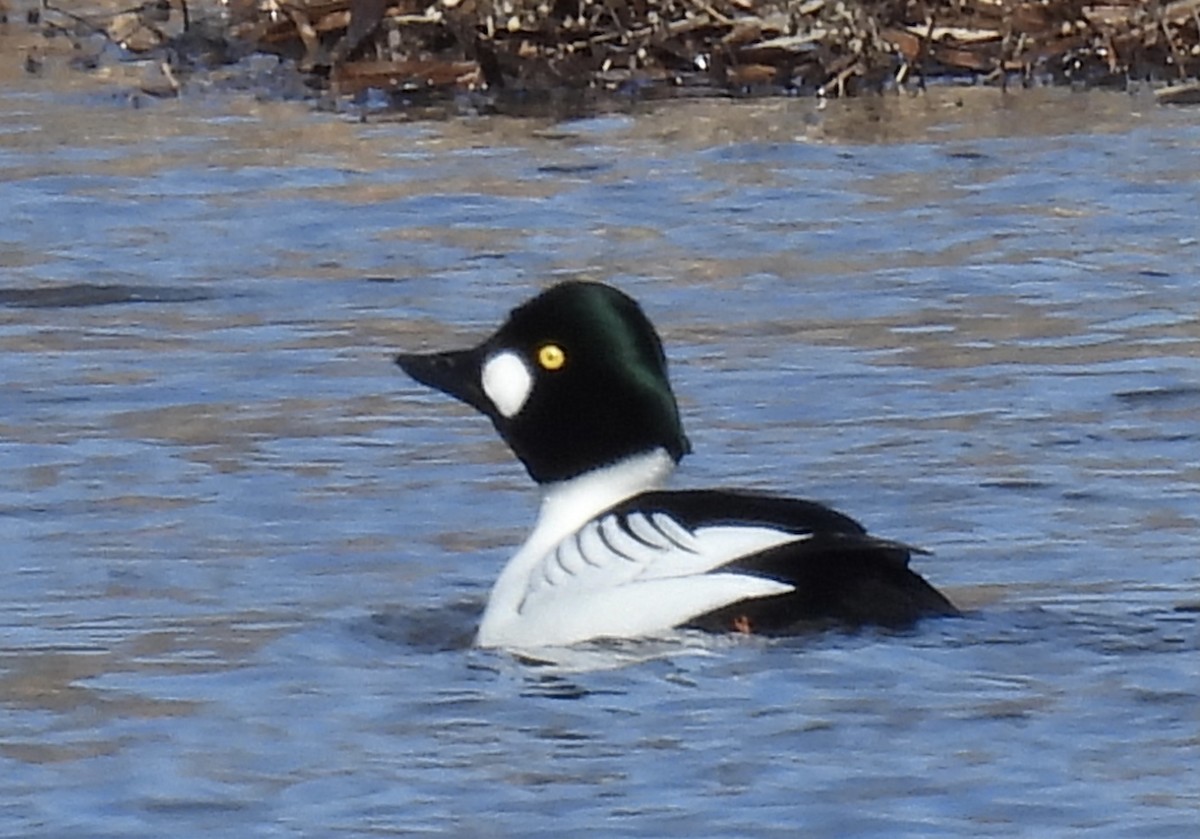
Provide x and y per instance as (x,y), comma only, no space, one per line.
(610,546)
(624,520)
(578,547)
(670,538)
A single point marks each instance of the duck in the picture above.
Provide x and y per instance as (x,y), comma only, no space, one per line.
(575,381)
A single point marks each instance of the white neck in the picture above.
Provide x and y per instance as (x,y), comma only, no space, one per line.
(567,506)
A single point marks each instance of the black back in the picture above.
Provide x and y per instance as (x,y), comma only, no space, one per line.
(842,575)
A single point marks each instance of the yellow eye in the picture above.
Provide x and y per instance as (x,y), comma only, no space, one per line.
(551,357)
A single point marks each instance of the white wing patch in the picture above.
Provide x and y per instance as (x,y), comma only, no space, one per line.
(631,551)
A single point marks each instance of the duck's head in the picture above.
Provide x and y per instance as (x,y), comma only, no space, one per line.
(574,380)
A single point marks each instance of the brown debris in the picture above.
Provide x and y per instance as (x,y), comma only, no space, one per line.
(822,46)
(827,47)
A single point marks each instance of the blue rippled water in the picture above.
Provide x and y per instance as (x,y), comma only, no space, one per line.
(243,556)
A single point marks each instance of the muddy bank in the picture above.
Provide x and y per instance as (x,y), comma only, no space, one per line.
(404,51)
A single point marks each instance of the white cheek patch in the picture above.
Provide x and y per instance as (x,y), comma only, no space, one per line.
(507,382)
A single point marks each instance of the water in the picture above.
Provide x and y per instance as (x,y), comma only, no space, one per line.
(243,556)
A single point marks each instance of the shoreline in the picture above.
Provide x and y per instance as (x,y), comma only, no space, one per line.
(399,53)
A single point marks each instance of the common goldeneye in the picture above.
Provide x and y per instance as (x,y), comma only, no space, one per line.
(575,381)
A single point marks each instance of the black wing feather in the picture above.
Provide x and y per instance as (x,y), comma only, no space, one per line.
(841,574)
